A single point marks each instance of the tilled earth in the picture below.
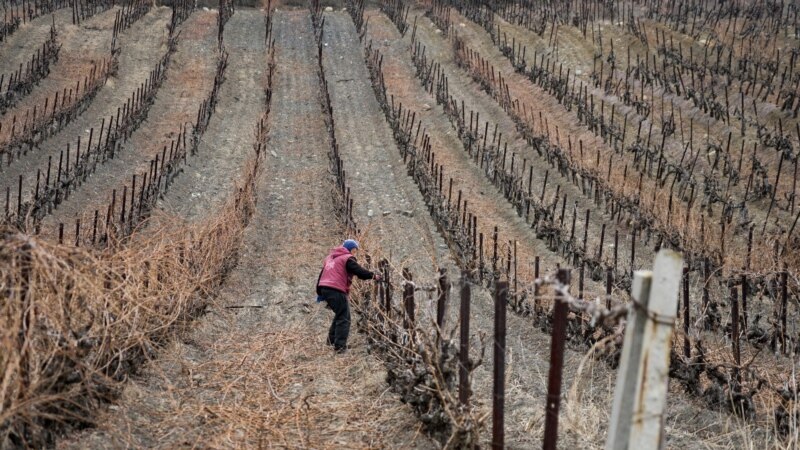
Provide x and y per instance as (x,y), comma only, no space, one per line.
(20,46)
(82,47)
(207,180)
(190,76)
(254,370)
(590,389)
(141,46)
(343,400)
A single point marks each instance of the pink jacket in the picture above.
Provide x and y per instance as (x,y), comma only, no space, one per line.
(334,271)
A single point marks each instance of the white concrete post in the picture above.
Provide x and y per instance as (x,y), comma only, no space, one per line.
(641,392)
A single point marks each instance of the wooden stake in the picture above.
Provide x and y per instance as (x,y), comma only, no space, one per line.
(640,394)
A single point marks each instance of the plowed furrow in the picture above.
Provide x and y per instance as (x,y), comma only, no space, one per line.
(276,344)
(526,388)
(84,48)
(226,144)
(143,45)
(18,48)
(388,207)
(188,82)
(539,169)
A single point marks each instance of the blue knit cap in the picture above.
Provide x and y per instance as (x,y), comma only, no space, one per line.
(350,244)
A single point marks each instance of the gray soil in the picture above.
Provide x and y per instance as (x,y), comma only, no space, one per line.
(19,47)
(578,55)
(189,80)
(388,206)
(440,49)
(528,347)
(214,387)
(175,403)
(208,179)
(142,46)
(82,46)
(759,306)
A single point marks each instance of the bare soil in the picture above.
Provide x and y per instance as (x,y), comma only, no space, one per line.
(207,179)
(142,46)
(590,389)
(389,207)
(572,48)
(189,79)
(23,43)
(254,370)
(576,52)
(560,123)
(262,376)
(83,47)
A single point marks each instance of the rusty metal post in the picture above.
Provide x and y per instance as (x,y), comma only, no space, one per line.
(385,291)
(708,324)
(784,307)
(463,352)
(444,293)
(387,277)
(687,345)
(494,254)
(735,329)
(380,297)
(372,293)
(94,226)
(556,365)
(480,260)
(408,301)
(78,232)
(498,393)
(535,286)
(516,291)
(19,200)
(633,252)
(616,250)
(744,300)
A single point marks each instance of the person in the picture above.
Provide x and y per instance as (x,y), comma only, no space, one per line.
(333,286)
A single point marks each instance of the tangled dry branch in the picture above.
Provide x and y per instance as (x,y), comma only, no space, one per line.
(76,322)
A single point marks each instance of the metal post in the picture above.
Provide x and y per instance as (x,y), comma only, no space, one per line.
(494,254)
(444,293)
(387,287)
(463,352)
(560,310)
(784,307)
(735,330)
(498,393)
(687,345)
(408,302)
(536,286)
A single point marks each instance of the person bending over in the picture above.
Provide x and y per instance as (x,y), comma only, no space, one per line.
(333,286)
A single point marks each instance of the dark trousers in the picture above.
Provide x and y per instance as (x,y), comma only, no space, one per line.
(340,327)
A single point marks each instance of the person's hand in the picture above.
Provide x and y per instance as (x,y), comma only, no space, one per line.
(377,277)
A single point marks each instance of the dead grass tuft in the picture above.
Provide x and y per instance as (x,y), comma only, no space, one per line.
(75,322)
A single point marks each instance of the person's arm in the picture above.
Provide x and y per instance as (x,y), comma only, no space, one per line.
(354,268)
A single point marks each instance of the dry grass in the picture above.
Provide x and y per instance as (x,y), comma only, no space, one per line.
(271,388)
(75,322)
